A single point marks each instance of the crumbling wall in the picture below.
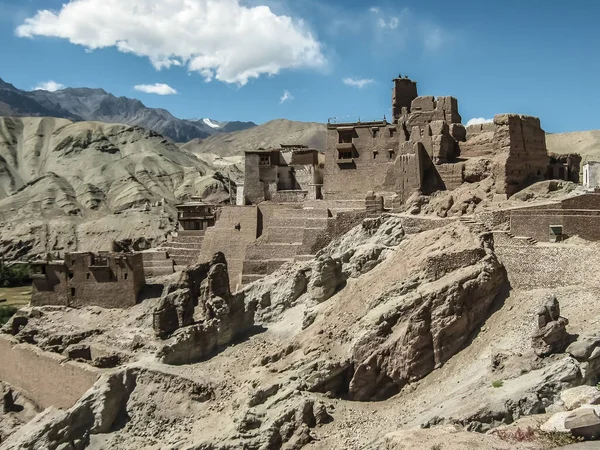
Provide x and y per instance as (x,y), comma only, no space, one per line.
(50,288)
(426,109)
(520,152)
(236,228)
(46,378)
(254,189)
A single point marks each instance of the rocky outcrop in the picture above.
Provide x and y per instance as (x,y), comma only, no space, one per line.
(426,324)
(198,313)
(551,336)
(96,412)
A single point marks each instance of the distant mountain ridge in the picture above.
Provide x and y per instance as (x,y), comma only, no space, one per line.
(87,104)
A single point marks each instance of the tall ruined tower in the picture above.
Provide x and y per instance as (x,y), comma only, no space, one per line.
(403,93)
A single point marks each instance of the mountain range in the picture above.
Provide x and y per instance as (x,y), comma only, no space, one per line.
(85,104)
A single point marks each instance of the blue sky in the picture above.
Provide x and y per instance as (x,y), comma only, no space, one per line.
(538,57)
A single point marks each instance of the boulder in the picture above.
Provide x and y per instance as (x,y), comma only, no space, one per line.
(551,336)
(8,401)
(575,397)
(583,422)
(583,347)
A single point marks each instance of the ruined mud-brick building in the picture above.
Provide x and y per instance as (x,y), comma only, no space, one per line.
(291,173)
(425,148)
(195,215)
(591,174)
(108,280)
(517,146)
(182,246)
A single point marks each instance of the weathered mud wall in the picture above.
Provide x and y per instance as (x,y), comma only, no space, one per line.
(46,378)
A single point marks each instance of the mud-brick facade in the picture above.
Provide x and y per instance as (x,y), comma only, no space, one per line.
(195,215)
(291,173)
(577,216)
(108,280)
(363,157)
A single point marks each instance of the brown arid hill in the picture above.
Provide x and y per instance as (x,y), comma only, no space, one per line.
(584,143)
(390,340)
(270,134)
(58,178)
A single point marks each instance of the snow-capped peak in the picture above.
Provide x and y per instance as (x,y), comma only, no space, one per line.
(211,123)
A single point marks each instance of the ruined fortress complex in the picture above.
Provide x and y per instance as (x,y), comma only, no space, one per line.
(294,200)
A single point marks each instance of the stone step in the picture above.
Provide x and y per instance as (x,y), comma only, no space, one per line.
(161,263)
(190,245)
(247,279)
(158,272)
(294,222)
(263,267)
(303,213)
(154,255)
(265,251)
(304,258)
(184,239)
(285,235)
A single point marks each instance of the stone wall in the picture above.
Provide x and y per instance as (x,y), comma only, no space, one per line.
(591,174)
(236,228)
(520,152)
(451,175)
(51,288)
(403,93)
(85,279)
(546,266)
(46,378)
(374,147)
(426,109)
(536,223)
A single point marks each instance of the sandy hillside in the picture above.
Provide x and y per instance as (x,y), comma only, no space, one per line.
(270,134)
(57,177)
(585,143)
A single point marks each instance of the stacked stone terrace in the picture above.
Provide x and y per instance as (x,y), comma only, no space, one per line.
(290,236)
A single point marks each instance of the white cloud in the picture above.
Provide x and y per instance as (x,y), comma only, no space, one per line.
(286,97)
(479,120)
(157,88)
(374,9)
(391,24)
(220,39)
(50,86)
(357,82)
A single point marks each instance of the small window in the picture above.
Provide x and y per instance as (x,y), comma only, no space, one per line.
(375,153)
(345,136)
(87,276)
(70,275)
(72,292)
(125,276)
(391,154)
(392,131)
(375,130)
(265,160)
(344,155)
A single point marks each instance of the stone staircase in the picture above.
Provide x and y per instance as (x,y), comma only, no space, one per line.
(289,237)
(482,228)
(157,263)
(474,225)
(529,240)
(184,249)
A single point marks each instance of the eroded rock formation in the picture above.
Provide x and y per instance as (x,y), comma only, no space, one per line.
(551,336)
(198,313)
